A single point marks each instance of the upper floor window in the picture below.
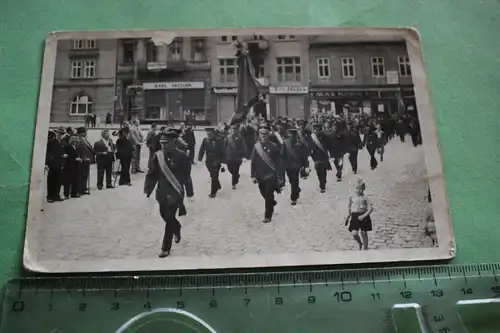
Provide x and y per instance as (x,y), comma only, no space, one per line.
(83,69)
(260,72)
(128,52)
(286,37)
(228,69)
(176,50)
(378,66)
(226,39)
(289,69)
(151,54)
(80,105)
(84,44)
(348,67)
(404,66)
(323,65)
(198,47)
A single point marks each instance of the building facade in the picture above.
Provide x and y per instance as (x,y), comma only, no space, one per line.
(84,80)
(374,78)
(175,79)
(283,73)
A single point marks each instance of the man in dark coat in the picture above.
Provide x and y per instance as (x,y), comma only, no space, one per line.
(105,156)
(151,143)
(336,148)
(295,158)
(236,150)
(72,164)
(87,154)
(353,144)
(54,159)
(170,171)
(189,138)
(249,135)
(214,149)
(266,169)
(319,154)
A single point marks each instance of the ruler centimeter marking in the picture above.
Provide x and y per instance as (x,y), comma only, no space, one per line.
(435,288)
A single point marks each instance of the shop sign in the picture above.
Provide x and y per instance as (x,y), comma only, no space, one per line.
(344,94)
(296,90)
(225,90)
(392,77)
(173,85)
(156,66)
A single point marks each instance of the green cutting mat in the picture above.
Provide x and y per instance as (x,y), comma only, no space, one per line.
(461,48)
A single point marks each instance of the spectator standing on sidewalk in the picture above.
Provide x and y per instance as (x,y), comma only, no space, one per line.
(137,142)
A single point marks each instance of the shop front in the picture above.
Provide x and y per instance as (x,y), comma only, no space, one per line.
(170,100)
(289,101)
(373,102)
(226,103)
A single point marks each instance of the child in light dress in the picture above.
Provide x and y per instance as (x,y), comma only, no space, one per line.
(359,219)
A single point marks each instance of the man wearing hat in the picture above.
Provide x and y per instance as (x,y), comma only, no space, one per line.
(266,169)
(214,149)
(169,170)
(54,160)
(236,150)
(319,154)
(295,158)
(87,154)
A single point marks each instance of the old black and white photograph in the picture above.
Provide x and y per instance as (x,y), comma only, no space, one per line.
(202,149)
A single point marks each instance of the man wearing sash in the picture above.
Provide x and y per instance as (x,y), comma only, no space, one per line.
(105,156)
(214,149)
(170,170)
(304,136)
(266,169)
(295,158)
(319,154)
(87,153)
(236,150)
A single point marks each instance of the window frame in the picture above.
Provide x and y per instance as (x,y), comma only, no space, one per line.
(84,44)
(84,66)
(322,63)
(75,101)
(281,64)
(224,66)
(347,64)
(375,64)
(404,61)
(177,46)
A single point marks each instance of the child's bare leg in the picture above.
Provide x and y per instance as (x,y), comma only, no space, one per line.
(355,235)
(364,236)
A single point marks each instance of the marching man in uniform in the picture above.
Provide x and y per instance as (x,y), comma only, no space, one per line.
(236,150)
(267,171)
(214,148)
(170,170)
(320,156)
(295,158)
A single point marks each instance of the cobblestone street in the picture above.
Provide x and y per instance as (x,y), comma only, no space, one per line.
(120,223)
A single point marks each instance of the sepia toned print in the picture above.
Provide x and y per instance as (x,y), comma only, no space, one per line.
(236,148)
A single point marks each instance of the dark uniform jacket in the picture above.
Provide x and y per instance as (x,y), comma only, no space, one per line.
(236,148)
(317,154)
(53,157)
(352,140)
(259,169)
(100,148)
(215,150)
(371,141)
(335,143)
(179,164)
(70,162)
(295,154)
(189,138)
(124,148)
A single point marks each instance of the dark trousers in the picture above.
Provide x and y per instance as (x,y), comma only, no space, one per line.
(213,170)
(125,171)
(339,164)
(54,176)
(83,177)
(191,153)
(189,185)
(152,153)
(321,170)
(415,139)
(373,160)
(293,177)
(70,177)
(172,225)
(402,136)
(104,168)
(267,188)
(353,160)
(234,169)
